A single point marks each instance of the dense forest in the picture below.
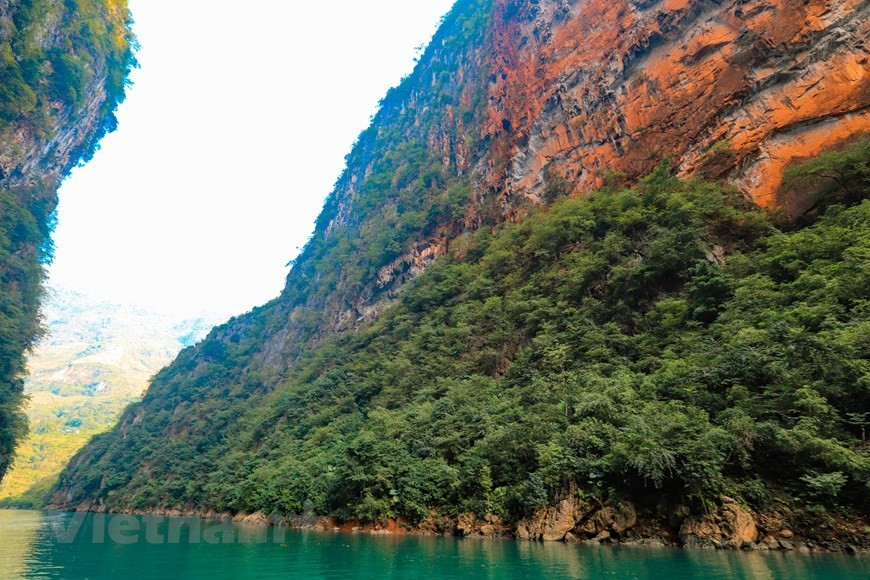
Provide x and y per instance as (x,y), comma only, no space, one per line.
(57,61)
(669,340)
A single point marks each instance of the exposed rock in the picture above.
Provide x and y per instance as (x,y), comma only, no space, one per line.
(44,133)
(733,89)
(466,524)
(437,524)
(551,524)
(679,515)
(615,520)
(616,83)
(490,526)
(700,532)
(769,543)
(652,542)
(254,519)
(740,524)
(578,88)
(730,527)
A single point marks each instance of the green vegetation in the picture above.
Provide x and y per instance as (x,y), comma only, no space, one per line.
(840,175)
(90,38)
(52,54)
(96,359)
(20,281)
(401,189)
(667,340)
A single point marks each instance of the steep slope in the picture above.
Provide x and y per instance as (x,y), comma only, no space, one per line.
(513,105)
(95,359)
(63,68)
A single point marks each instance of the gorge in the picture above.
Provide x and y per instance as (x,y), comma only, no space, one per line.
(596,272)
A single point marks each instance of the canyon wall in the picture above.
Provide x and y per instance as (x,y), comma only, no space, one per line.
(63,71)
(514,104)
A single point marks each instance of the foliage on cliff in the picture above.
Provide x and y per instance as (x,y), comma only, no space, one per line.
(661,340)
(631,342)
(96,359)
(58,60)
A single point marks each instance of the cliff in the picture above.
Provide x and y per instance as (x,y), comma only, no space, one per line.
(734,90)
(515,105)
(63,68)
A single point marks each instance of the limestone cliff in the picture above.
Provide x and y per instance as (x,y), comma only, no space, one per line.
(63,69)
(549,97)
(514,104)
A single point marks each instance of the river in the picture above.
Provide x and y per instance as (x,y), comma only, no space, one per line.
(62,545)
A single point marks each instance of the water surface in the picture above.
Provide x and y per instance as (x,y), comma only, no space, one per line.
(61,545)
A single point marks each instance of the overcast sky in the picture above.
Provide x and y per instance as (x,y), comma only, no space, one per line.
(230,139)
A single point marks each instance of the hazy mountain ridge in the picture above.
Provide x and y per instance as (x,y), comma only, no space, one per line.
(96,358)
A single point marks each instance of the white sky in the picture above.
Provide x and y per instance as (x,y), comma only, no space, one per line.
(229,141)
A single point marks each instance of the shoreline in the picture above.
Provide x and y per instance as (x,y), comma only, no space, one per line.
(643,531)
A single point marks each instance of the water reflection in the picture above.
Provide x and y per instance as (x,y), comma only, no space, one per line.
(67,546)
(18,532)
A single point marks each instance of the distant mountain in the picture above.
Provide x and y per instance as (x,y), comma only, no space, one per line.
(96,359)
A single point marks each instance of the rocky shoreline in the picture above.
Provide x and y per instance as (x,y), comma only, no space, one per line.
(731,526)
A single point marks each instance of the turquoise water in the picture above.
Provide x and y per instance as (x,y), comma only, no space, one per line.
(56,545)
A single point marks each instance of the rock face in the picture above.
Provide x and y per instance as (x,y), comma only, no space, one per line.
(489,526)
(46,137)
(730,527)
(551,524)
(514,102)
(734,89)
(62,74)
(573,520)
(550,96)
(612,520)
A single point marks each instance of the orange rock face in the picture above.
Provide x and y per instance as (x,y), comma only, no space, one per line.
(736,89)
(545,97)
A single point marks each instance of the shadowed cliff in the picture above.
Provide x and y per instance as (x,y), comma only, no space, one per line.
(63,69)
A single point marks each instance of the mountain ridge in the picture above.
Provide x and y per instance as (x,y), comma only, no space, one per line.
(63,73)
(96,358)
(472,140)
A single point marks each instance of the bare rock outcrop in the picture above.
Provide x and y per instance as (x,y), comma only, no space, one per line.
(573,520)
(614,520)
(489,526)
(731,526)
(551,524)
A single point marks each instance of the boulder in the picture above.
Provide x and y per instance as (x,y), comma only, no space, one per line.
(769,543)
(700,532)
(678,515)
(739,524)
(466,524)
(490,525)
(254,519)
(550,524)
(731,526)
(615,520)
